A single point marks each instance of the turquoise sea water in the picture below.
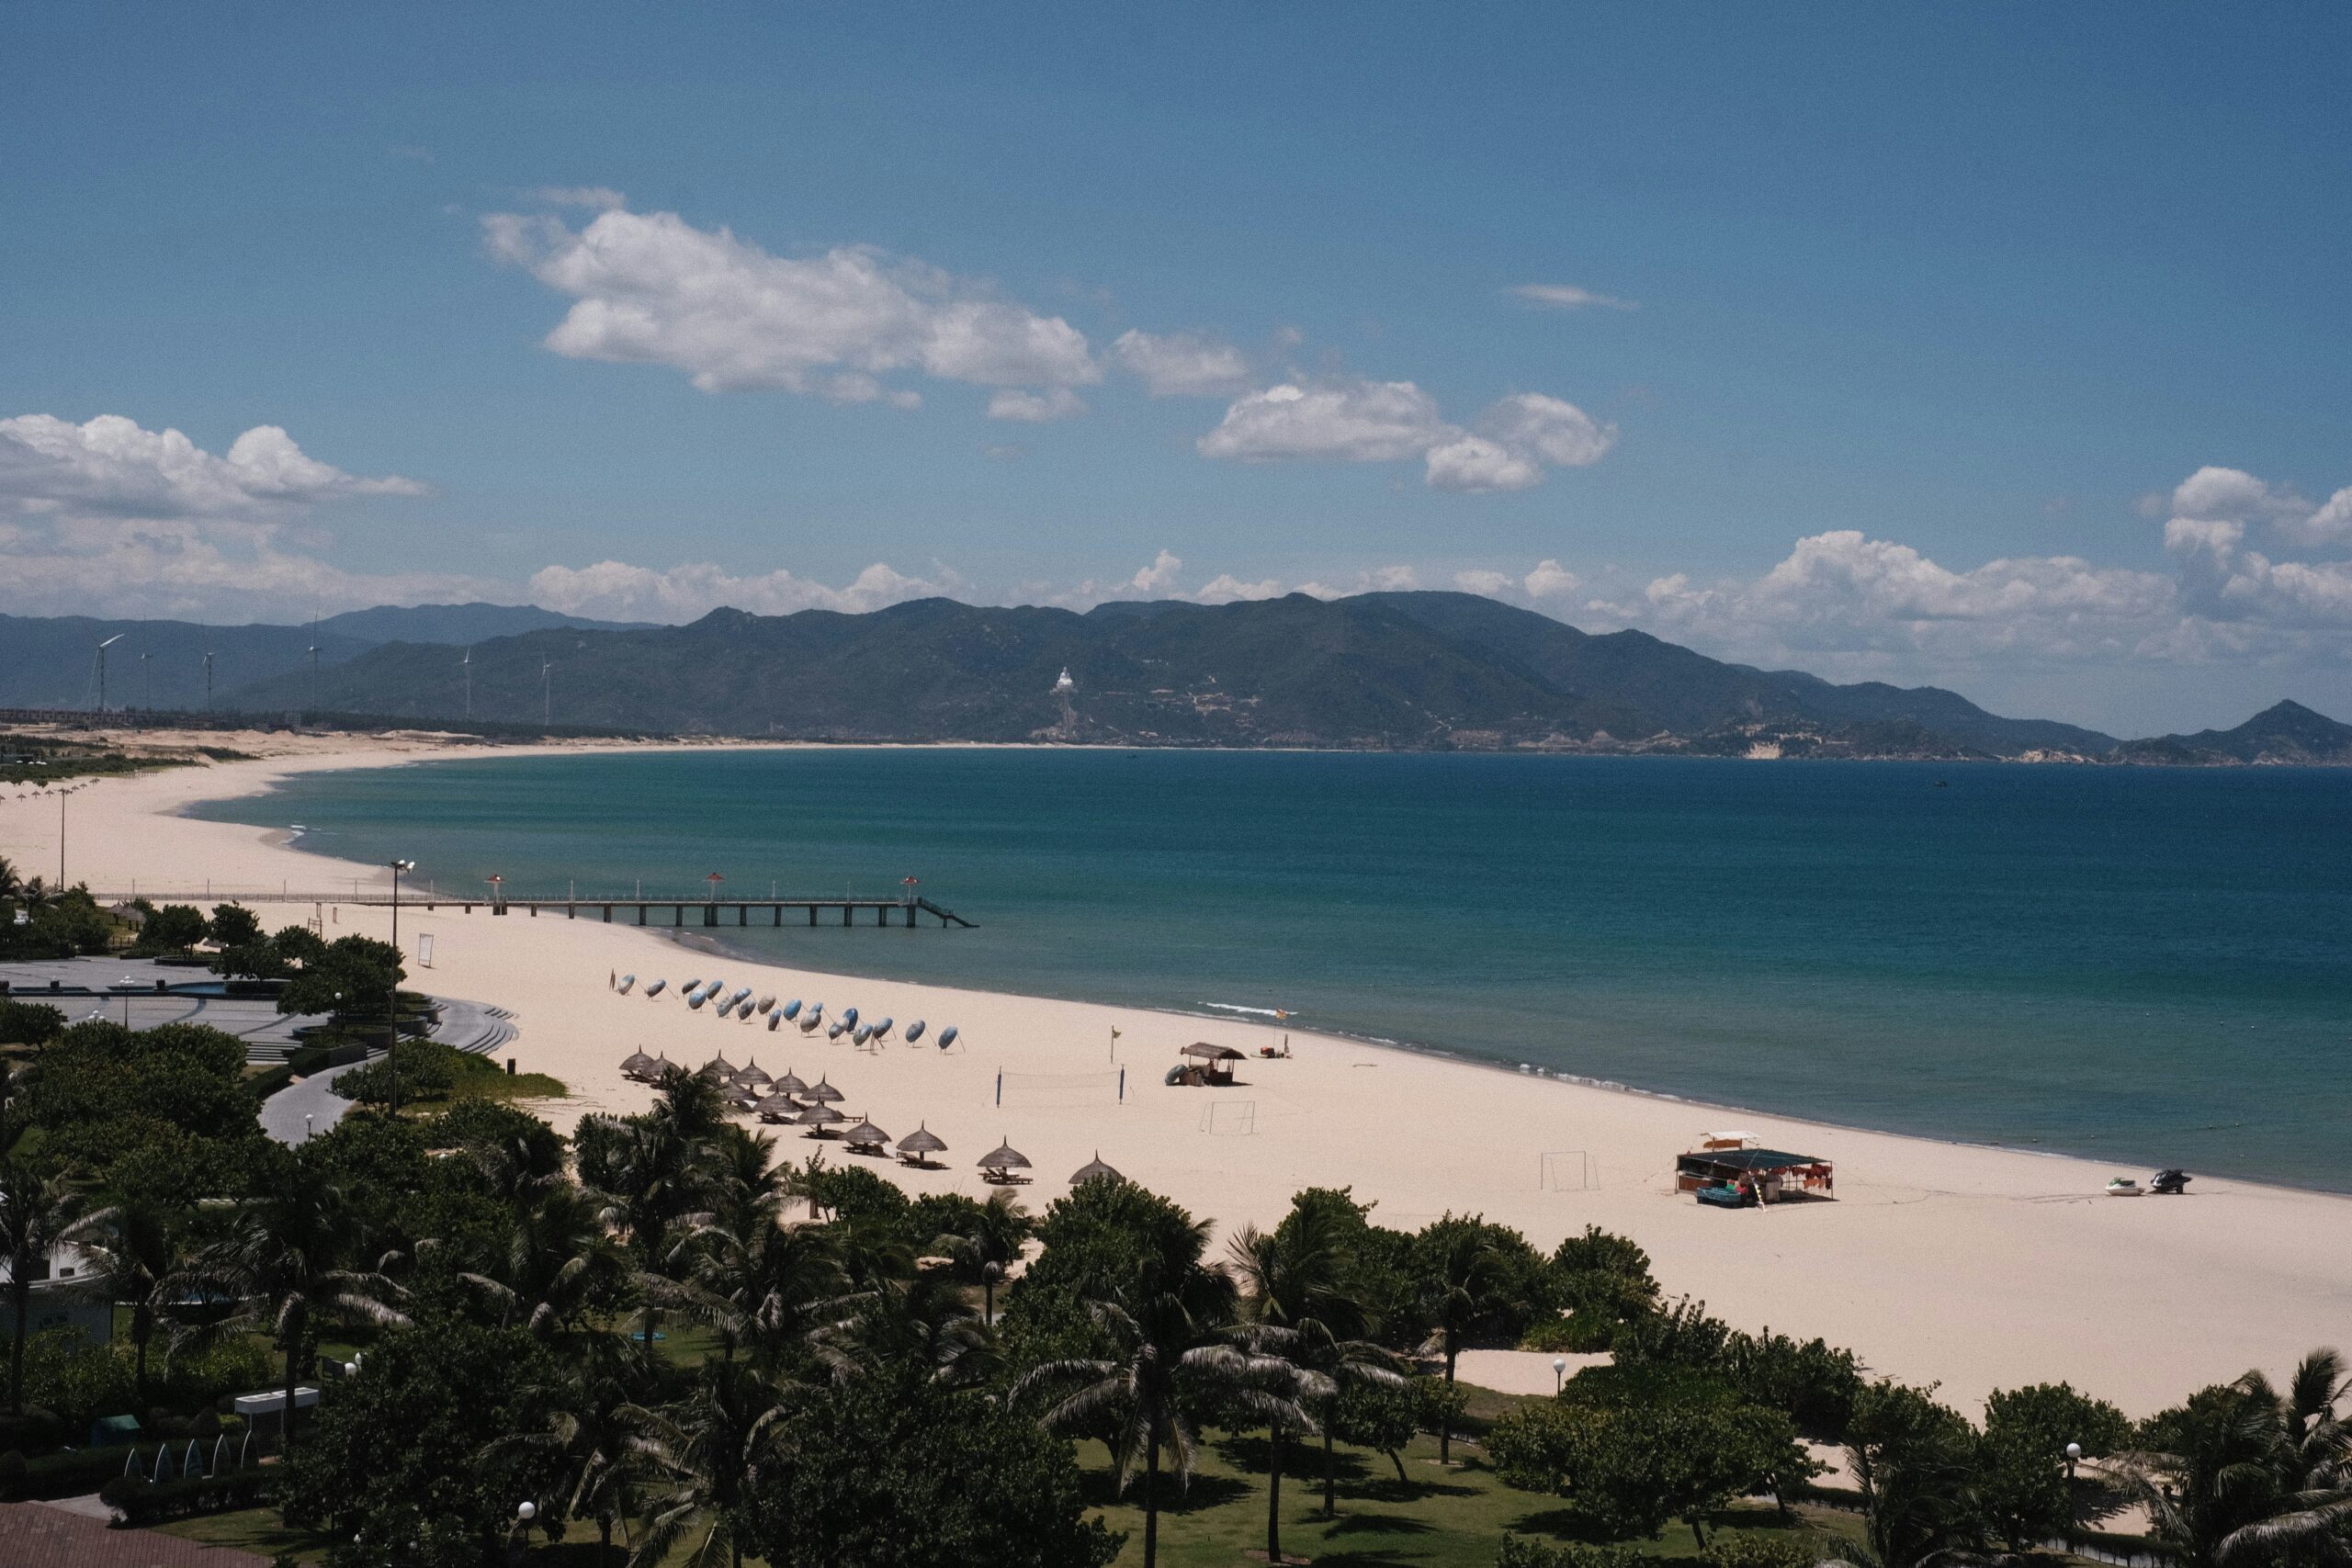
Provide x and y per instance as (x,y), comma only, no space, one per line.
(2144,964)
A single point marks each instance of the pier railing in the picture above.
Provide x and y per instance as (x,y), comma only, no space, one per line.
(837,910)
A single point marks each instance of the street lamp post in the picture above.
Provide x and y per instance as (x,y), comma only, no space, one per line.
(392,1003)
(1559,1374)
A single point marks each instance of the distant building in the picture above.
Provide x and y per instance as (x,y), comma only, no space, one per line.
(56,1301)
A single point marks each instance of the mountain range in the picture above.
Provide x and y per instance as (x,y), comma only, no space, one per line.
(1395,670)
(51,661)
(1391,671)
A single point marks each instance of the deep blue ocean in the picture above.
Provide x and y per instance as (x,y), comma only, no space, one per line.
(2144,964)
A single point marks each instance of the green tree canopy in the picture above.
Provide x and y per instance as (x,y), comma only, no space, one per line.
(893,1471)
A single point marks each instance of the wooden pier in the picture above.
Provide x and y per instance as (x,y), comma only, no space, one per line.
(572,907)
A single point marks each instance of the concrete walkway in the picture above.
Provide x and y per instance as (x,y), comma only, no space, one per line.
(305,1108)
(34,1535)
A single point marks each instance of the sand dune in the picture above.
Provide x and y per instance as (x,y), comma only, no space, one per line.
(1969,1267)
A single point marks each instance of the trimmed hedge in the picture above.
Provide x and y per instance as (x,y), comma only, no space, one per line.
(148,1502)
(73,1473)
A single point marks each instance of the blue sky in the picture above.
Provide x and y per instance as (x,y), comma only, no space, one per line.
(2003,346)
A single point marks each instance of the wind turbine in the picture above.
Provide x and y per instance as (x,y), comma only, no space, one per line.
(467,661)
(102,668)
(547,692)
(147,682)
(207,680)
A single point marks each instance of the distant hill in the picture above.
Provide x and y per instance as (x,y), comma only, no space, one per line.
(51,662)
(1386,670)
(458,624)
(2284,732)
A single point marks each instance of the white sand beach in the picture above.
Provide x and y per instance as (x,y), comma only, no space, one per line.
(1968,1267)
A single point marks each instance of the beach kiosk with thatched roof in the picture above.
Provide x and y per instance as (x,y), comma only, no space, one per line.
(917,1147)
(1204,1066)
(1726,1171)
(1094,1170)
(999,1163)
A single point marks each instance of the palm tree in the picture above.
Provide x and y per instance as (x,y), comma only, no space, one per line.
(989,1243)
(284,1256)
(1294,1290)
(11,883)
(652,1178)
(35,1207)
(711,1447)
(759,1284)
(555,1256)
(592,1439)
(1169,1338)
(2258,1473)
(1460,1289)
(132,1250)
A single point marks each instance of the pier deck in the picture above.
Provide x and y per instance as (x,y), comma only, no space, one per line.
(709,911)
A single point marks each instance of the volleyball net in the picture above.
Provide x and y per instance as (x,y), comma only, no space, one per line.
(1062,1090)
(1567,1170)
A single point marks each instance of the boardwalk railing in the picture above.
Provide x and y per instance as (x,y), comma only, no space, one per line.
(572,905)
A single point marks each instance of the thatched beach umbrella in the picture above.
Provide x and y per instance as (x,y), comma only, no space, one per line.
(720,1066)
(778,1108)
(866,1138)
(752,1076)
(789,1084)
(999,1163)
(917,1147)
(817,1118)
(826,1094)
(664,1068)
(1093,1169)
(637,1064)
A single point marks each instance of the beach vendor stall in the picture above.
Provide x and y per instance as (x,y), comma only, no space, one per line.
(1738,1177)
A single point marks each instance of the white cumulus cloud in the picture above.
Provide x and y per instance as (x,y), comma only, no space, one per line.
(596,198)
(1026,407)
(1188,365)
(1550,580)
(650,288)
(617,590)
(1356,421)
(1567,297)
(113,517)
(1224,588)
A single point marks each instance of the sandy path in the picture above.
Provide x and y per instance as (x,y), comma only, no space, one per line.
(1972,1267)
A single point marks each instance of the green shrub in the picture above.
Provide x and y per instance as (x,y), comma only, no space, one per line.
(76,1472)
(30,1023)
(195,1378)
(1518,1551)
(35,1432)
(1753,1550)
(77,1378)
(147,1502)
(1579,1333)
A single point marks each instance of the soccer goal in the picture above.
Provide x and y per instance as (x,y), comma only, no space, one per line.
(1567,1170)
(1062,1090)
(1229,1118)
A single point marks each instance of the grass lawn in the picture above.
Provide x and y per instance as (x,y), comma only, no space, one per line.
(1438,1518)
(1451,1516)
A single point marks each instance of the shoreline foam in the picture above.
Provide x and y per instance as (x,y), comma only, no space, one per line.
(1972,1265)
